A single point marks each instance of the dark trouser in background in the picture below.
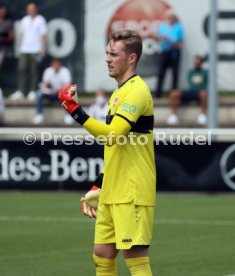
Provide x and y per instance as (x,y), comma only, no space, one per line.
(41,98)
(2,58)
(27,71)
(170,59)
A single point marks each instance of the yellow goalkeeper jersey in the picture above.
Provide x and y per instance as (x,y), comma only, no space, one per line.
(129,171)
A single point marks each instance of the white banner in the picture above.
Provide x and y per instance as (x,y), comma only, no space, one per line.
(104,16)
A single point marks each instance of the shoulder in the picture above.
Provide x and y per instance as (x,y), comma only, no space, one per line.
(138,91)
(25,19)
(137,100)
(48,70)
(140,85)
(163,26)
(205,72)
(201,71)
(191,71)
(179,26)
(65,69)
(41,19)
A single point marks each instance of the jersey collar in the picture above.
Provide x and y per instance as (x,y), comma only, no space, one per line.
(119,86)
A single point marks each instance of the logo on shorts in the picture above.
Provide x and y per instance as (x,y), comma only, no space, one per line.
(126,240)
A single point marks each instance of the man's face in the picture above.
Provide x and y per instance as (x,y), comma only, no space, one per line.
(171,17)
(3,12)
(117,59)
(56,65)
(197,62)
(31,9)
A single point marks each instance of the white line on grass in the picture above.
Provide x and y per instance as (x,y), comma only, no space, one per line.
(42,219)
(196,222)
(74,219)
(49,253)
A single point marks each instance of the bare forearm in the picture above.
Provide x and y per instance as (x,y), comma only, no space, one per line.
(43,44)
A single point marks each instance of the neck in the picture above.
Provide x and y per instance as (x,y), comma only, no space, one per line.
(120,85)
(171,23)
(125,77)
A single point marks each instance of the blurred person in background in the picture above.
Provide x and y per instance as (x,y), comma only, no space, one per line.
(54,78)
(32,49)
(197,90)
(98,110)
(171,36)
(6,35)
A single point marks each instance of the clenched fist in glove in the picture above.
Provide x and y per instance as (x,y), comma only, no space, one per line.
(90,202)
(68,98)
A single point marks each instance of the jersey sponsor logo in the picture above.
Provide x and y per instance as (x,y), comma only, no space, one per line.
(129,108)
(125,107)
(132,109)
(126,240)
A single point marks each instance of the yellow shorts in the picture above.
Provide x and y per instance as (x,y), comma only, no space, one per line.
(124,224)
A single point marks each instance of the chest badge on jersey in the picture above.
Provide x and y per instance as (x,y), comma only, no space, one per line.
(115,101)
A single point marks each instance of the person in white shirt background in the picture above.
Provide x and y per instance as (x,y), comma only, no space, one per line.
(54,78)
(99,108)
(32,49)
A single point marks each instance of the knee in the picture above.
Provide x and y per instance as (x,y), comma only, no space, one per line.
(202,94)
(105,251)
(39,96)
(175,95)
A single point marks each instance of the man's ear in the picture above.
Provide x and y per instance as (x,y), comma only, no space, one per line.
(133,58)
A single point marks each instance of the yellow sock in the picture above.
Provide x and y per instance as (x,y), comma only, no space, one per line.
(139,266)
(105,267)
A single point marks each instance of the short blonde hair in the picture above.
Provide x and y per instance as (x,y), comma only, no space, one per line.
(131,40)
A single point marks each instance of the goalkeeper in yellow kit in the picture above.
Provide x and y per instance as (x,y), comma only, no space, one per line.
(127,198)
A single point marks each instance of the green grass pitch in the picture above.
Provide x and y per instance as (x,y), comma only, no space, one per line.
(45,234)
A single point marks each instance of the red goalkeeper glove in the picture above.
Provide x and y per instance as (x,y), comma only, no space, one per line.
(90,202)
(68,98)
